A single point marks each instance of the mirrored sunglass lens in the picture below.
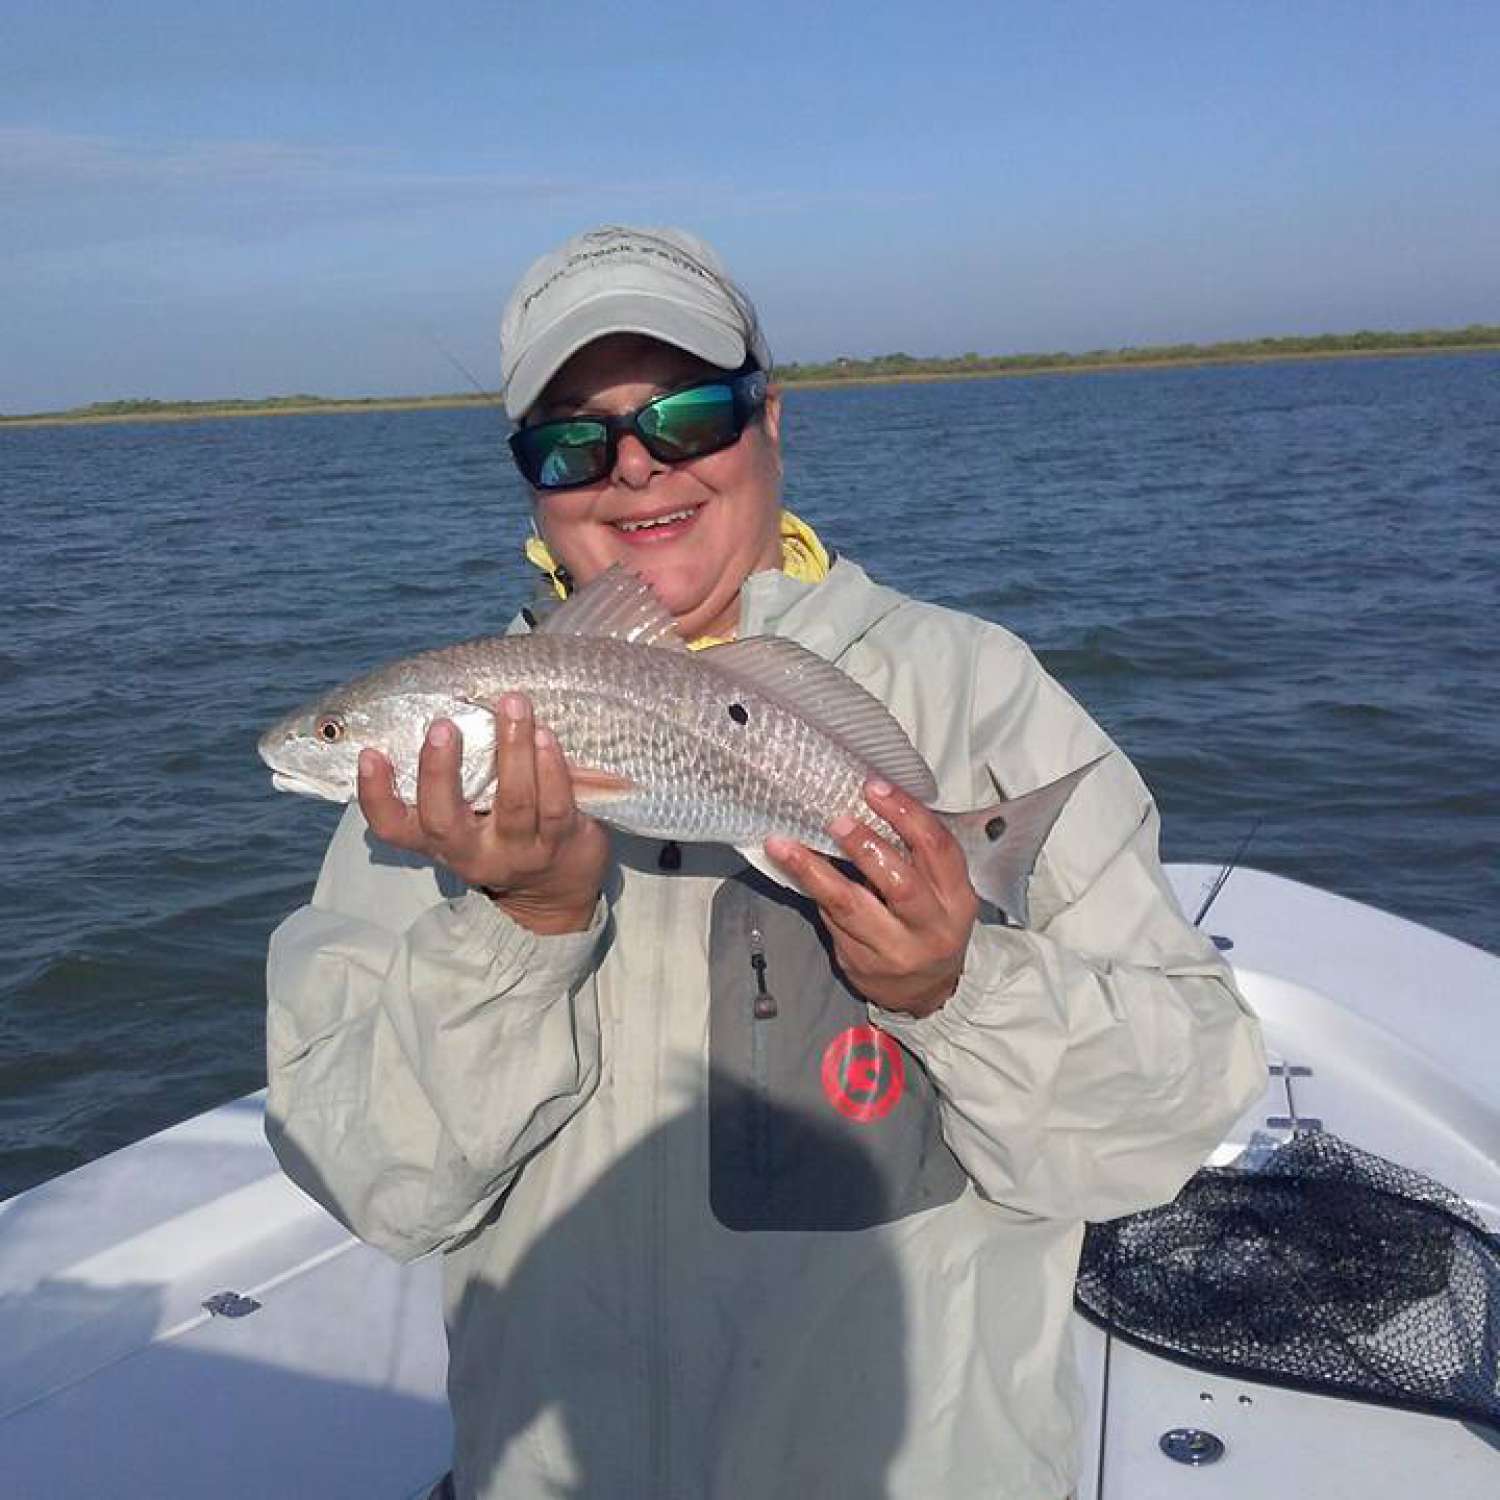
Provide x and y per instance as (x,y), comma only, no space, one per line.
(689,422)
(563,453)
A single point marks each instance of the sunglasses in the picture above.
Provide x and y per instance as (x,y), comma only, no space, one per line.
(689,423)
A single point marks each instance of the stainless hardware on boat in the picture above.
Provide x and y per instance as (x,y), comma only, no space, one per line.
(1192,1445)
(231,1305)
(1291,1120)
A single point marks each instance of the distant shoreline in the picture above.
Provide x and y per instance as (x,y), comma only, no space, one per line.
(897,369)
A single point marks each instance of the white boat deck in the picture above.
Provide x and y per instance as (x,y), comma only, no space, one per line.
(115,1382)
(1400,1028)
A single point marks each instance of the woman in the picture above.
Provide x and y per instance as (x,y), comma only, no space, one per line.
(742,1193)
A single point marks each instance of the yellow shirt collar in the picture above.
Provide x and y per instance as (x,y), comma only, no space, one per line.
(803,557)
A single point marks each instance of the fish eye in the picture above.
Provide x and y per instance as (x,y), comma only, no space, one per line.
(329,729)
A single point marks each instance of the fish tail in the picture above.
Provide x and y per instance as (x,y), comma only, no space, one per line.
(1001,842)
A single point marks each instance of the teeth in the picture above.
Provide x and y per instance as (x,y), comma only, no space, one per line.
(677,515)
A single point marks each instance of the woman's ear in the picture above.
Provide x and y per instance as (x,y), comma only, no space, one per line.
(772,416)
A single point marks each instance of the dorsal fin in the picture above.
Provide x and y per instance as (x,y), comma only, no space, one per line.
(828,698)
(619,605)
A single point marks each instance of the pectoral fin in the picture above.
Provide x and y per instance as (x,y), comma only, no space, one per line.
(591,785)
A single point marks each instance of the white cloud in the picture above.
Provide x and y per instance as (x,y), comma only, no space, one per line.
(72,191)
(68,191)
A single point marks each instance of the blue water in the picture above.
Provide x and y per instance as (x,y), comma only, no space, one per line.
(1277,587)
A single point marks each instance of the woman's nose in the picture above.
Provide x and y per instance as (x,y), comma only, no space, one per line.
(634,466)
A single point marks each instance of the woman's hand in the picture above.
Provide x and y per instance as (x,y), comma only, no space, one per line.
(900,939)
(537,857)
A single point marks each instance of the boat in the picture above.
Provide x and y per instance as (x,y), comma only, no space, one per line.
(177,1318)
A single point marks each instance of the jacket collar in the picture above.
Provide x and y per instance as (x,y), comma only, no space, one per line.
(827,617)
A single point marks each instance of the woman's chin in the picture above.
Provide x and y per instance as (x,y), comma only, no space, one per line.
(688,597)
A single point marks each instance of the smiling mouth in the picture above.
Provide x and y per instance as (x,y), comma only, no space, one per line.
(656,523)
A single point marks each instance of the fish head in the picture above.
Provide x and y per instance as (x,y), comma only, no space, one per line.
(315,749)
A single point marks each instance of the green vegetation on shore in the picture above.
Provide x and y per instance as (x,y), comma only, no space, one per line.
(882,368)
(145,409)
(1240,351)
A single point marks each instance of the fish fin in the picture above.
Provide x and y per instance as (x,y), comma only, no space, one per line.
(595,786)
(1002,841)
(758,859)
(831,700)
(618,605)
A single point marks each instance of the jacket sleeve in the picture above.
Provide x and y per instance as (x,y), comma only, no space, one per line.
(1087,1066)
(420,1045)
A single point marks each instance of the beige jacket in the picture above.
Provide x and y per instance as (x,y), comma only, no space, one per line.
(705,1244)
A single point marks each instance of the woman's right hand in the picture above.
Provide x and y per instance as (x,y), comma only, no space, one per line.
(536,856)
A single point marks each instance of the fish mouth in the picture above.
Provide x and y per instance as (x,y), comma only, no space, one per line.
(272,747)
(304,786)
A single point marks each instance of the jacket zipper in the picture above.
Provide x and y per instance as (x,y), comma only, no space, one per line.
(763,1011)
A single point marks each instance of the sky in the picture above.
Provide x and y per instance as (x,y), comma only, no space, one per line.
(203,200)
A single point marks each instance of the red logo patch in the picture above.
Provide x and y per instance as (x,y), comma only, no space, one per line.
(863,1075)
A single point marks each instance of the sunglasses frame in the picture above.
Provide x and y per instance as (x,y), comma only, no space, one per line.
(748,387)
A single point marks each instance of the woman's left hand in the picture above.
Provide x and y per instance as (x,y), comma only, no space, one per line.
(900,939)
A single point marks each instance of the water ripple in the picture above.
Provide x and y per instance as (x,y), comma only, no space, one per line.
(1274,586)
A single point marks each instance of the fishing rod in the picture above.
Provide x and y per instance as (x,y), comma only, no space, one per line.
(1227,871)
(461,367)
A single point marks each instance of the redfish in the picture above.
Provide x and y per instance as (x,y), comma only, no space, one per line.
(731,744)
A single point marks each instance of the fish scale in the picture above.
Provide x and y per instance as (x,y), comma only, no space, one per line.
(662,721)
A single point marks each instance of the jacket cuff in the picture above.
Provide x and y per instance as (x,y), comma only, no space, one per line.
(544,957)
(993,956)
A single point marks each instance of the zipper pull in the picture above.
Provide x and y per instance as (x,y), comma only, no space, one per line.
(765,1002)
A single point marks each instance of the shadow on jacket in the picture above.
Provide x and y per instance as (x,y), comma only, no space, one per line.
(604,1405)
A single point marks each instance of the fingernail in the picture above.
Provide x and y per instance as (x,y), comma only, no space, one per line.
(368,763)
(544,739)
(879,788)
(440,734)
(842,826)
(778,848)
(513,706)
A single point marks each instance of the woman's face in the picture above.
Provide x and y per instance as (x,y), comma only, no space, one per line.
(720,513)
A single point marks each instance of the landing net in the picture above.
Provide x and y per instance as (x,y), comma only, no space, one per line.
(1326,1269)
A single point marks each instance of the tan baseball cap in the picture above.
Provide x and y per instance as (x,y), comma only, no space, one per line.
(664,283)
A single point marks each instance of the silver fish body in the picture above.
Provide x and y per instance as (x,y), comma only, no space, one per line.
(731,744)
(702,757)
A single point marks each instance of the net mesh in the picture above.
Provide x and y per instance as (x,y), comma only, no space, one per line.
(1326,1269)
